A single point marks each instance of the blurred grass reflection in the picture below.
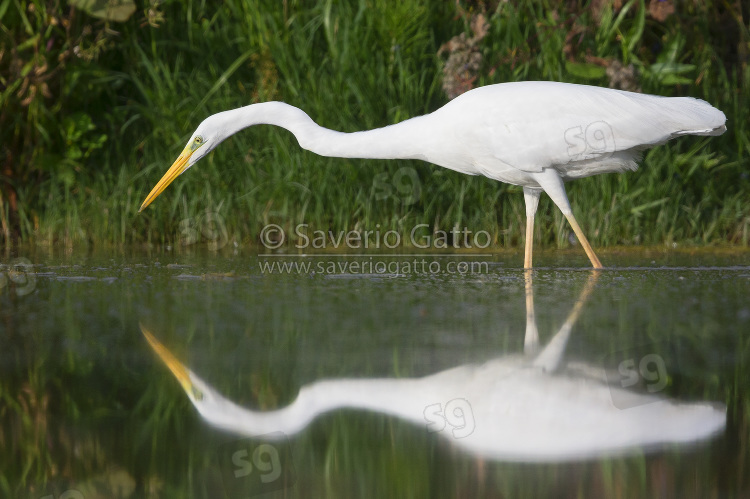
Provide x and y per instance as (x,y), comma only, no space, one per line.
(85,405)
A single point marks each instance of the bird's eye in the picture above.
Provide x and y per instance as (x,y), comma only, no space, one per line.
(199,140)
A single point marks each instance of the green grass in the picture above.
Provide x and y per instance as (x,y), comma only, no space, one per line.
(355,65)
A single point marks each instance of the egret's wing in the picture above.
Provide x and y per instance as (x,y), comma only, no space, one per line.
(535,125)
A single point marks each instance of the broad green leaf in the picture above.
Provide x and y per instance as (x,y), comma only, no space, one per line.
(110,10)
(585,70)
(671,68)
(672,79)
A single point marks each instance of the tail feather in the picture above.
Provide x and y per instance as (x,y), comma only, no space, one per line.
(708,131)
(690,116)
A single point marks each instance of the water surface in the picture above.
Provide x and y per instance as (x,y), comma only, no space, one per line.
(89,410)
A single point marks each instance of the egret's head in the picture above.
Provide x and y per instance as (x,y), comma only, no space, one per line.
(211,405)
(197,389)
(200,144)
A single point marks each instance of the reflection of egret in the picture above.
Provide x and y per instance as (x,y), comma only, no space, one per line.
(514,407)
(533,134)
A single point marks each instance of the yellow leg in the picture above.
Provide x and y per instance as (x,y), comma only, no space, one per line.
(531,198)
(584,242)
(529,242)
(585,293)
(552,183)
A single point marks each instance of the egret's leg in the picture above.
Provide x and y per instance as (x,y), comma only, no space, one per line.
(531,196)
(531,339)
(552,184)
(549,358)
(584,242)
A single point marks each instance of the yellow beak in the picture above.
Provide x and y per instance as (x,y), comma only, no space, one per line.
(179,166)
(180,372)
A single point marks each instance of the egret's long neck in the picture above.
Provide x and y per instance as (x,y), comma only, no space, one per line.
(401,398)
(402,140)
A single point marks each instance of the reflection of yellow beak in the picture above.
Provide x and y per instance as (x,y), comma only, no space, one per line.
(174,365)
(179,166)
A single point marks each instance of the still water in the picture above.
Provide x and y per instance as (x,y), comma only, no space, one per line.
(202,374)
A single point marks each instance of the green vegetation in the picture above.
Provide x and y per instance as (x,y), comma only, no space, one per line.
(93,111)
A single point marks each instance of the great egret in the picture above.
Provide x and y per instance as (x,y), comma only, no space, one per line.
(515,407)
(533,134)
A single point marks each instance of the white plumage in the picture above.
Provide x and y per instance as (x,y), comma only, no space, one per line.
(533,134)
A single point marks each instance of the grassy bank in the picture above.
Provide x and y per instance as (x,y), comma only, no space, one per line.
(82,152)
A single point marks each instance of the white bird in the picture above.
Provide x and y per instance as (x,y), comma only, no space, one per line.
(533,134)
(514,407)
